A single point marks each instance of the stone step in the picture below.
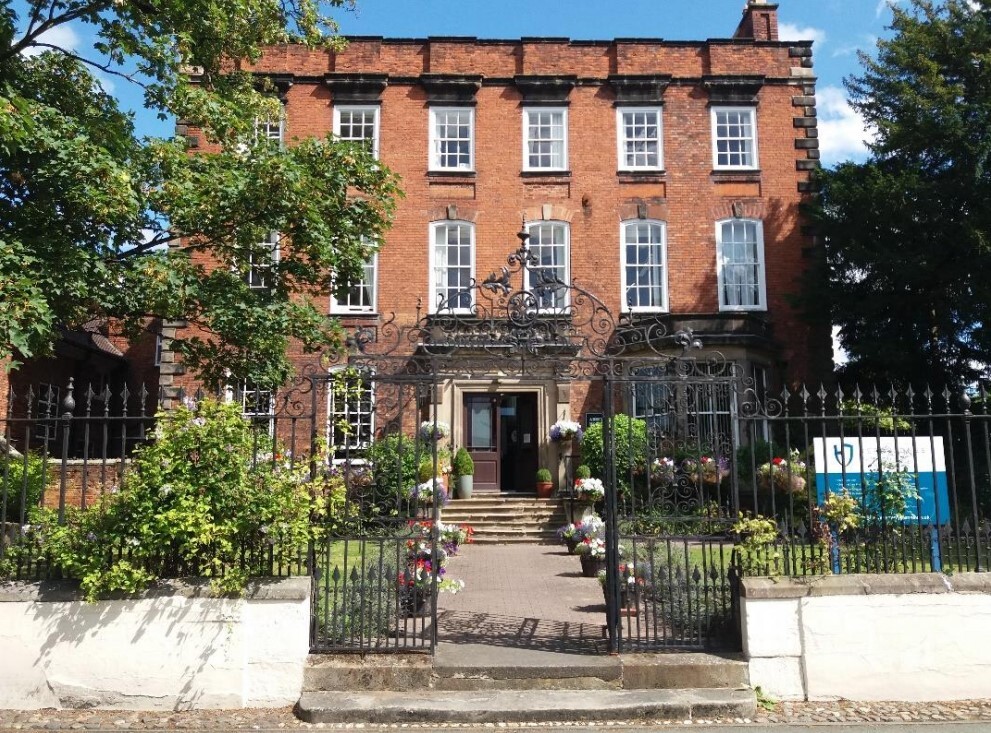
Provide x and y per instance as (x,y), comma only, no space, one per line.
(547,520)
(474,667)
(522,706)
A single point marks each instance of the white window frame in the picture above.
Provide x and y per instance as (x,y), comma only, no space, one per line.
(377,114)
(159,346)
(714,116)
(722,262)
(563,296)
(47,405)
(436,158)
(527,111)
(434,267)
(351,453)
(249,406)
(625,285)
(370,265)
(622,139)
(274,242)
(264,129)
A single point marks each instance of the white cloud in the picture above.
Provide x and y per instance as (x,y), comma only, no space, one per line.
(883,5)
(61,36)
(794,32)
(843,135)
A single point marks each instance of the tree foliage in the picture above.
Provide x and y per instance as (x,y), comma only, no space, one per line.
(95,222)
(907,232)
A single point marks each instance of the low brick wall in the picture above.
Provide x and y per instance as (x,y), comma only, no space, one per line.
(95,477)
(869,637)
(175,647)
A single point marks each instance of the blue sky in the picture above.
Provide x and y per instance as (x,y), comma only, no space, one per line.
(838,27)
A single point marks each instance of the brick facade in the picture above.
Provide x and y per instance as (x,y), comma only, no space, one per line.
(402,76)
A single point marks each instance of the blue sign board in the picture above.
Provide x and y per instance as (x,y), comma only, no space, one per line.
(857,465)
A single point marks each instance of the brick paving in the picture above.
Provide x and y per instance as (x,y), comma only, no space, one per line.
(531,596)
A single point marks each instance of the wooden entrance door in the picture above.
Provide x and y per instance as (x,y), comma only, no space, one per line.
(501,435)
(481,421)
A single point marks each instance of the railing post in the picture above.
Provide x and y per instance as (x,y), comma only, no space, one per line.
(611,518)
(967,415)
(68,407)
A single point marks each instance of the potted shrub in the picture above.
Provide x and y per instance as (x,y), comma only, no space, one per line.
(464,469)
(545,485)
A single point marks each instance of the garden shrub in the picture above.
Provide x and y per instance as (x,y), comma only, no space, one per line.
(13,471)
(197,501)
(630,443)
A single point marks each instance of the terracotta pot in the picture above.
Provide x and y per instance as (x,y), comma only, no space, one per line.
(545,489)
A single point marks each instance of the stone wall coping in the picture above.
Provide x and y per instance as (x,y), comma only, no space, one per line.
(865,585)
(63,591)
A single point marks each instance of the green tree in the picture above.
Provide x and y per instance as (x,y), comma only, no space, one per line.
(95,222)
(907,232)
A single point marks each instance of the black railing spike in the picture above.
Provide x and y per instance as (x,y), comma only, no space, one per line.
(180,395)
(875,395)
(11,396)
(143,396)
(354,575)
(90,394)
(947,397)
(69,403)
(858,396)
(336,575)
(125,397)
(839,394)
(107,396)
(893,394)
(801,530)
(929,399)
(30,401)
(822,394)
(965,529)
(965,403)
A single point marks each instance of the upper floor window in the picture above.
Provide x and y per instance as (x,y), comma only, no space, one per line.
(639,138)
(644,265)
(452,263)
(452,139)
(260,262)
(545,139)
(550,246)
(358,124)
(740,264)
(734,137)
(159,345)
(357,296)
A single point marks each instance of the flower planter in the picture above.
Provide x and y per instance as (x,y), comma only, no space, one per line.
(782,481)
(571,543)
(592,565)
(628,601)
(414,601)
(464,486)
(545,489)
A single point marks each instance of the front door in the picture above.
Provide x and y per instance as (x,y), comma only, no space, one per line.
(501,435)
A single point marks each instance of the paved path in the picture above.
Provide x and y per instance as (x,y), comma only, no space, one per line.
(531,596)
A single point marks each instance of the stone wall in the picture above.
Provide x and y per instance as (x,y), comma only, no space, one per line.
(869,637)
(176,647)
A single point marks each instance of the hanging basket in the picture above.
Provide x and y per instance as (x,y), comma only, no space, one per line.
(782,481)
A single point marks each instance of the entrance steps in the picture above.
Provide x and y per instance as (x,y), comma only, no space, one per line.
(506,518)
(469,683)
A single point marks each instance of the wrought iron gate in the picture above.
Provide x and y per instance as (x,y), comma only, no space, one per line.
(378,551)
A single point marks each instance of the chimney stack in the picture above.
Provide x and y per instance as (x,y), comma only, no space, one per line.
(760,21)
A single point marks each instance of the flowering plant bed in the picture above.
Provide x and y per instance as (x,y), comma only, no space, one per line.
(590,490)
(434,431)
(662,471)
(783,474)
(430,491)
(565,430)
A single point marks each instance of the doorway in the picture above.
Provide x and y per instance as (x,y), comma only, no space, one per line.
(501,435)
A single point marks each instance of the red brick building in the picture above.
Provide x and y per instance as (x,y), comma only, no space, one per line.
(664,177)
